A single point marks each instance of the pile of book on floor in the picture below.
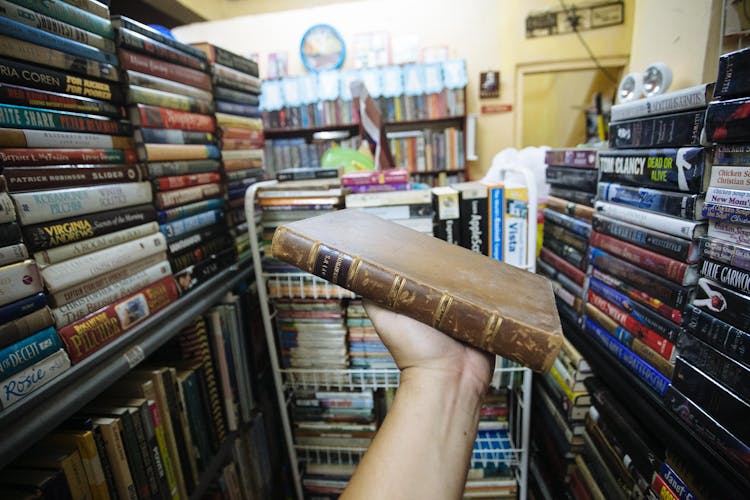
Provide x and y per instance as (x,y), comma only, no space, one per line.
(710,388)
(643,250)
(572,174)
(83,206)
(236,89)
(561,403)
(168,92)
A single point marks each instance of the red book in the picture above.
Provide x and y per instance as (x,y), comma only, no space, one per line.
(54,156)
(662,346)
(163,69)
(181,181)
(672,269)
(561,265)
(86,336)
(242,143)
(240,133)
(158,117)
(662,489)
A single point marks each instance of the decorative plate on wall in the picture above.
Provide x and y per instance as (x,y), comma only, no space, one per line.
(322,48)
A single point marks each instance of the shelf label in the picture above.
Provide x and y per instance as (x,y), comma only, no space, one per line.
(134,356)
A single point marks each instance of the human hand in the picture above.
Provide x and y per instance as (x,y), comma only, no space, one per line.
(419,348)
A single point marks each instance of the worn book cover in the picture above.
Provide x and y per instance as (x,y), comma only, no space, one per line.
(468,296)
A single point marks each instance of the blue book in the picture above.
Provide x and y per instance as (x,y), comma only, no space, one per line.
(175,229)
(28,351)
(237,109)
(676,483)
(173,214)
(497,210)
(39,37)
(655,380)
(22,307)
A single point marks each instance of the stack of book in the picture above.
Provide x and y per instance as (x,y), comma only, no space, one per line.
(411,208)
(428,150)
(562,398)
(168,91)
(643,249)
(339,419)
(572,173)
(366,350)
(710,388)
(390,179)
(85,215)
(297,153)
(236,89)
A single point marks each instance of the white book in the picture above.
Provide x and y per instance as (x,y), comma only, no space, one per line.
(56,299)
(421,224)
(32,378)
(694,97)
(19,280)
(13,253)
(730,177)
(73,271)
(41,206)
(79,248)
(77,309)
(734,233)
(733,197)
(670,225)
(412,197)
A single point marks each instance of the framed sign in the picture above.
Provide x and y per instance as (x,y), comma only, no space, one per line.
(489,84)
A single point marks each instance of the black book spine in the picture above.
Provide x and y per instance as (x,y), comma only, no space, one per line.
(163,136)
(573,224)
(728,409)
(661,243)
(726,121)
(133,454)
(578,178)
(663,131)
(236,61)
(676,169)
(232,95)
(446,220)
(474,223)
(170,168)
(101,450)
(64,231)
(205,401)
(731,277)
(566,252)
(686,206)
(717,365)
(152,448)
(729,340)
(145,454)
(10,234)
(127,23)
(734,74)
(574,195)
(141,43)
(552,230)
(723,303)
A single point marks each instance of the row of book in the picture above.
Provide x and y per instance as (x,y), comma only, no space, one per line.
(116,198)
(655,275)
(156,432)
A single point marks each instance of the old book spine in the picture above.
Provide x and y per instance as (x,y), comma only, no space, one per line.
(570,208)
(18,329)
(23,96)
(240,133)
(447,313)
(61,176)
(33,377)
(89,334)
(149,65)
(42,206)
(58,156)
(141,43)
(73,271)
(30,138)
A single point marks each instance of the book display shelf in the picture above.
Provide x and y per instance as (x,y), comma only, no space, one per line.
(422,105)
(499,451)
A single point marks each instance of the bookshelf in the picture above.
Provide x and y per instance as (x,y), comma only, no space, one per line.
(510,450)
(38,413)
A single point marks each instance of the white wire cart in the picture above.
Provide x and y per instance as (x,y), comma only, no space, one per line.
(514,452)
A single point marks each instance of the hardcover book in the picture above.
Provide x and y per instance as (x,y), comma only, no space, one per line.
(396,267)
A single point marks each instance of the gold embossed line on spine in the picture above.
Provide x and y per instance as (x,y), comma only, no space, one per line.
(312,256)
(491,330)
(395,292)
(445,303)
(353,270)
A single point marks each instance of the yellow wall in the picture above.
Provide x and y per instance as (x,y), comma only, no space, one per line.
(488,34)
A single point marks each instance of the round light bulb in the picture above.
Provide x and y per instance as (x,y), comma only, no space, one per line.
(631,87)
(656,79)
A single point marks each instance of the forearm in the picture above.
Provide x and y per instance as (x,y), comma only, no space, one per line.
(424,445)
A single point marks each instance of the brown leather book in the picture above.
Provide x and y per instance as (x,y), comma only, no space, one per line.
(490,305)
